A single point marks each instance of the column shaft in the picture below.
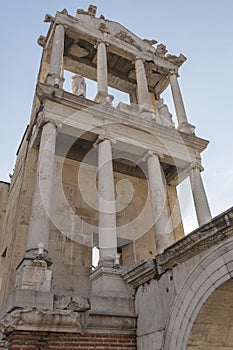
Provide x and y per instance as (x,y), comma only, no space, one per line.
(55,68)
(175,212)
(178,101)
(142,86)
(102,68)
(162,224)
(42,198)
(107,206)
(199,196)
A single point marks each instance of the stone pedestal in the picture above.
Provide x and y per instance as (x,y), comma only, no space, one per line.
(110,294)
(34,275)
(107,281)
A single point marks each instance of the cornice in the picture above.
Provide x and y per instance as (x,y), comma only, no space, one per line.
(141,273)
(203,238)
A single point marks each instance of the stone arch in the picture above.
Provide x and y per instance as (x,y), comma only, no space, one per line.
(213,270)
(213,327)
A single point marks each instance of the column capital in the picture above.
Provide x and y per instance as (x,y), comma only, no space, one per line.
(99,41)
(59,23)
(102,138)
(151,153)
(137,58)
(42,121)
(174,72)
(196,165)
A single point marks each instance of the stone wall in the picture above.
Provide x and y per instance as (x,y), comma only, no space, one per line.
(184,297)
(70,341)
(16,221)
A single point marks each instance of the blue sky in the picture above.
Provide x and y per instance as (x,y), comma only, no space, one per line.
(201,29)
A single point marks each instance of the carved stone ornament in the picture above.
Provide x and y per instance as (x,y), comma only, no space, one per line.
(161,51)
(103,28)
(64,12)
(127,38)
(150,42)
(48,18)
(91,11)
(79,86)
(41,40)
(177,60)
(165,115)
(77,50)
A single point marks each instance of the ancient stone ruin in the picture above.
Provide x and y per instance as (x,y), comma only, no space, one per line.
(95,178)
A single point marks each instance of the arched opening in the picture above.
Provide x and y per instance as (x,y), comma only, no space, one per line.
(213,327)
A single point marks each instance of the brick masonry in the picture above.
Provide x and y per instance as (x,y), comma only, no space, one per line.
(71,341)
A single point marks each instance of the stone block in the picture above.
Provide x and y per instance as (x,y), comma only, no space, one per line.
(34,275)
(29,298)
(150,341)
(112,304)
(107,281)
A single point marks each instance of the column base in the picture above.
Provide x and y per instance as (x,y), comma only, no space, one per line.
(33,275)
(55,81)
(186,128)
(104,98)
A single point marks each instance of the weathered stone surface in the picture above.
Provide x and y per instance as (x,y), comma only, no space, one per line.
(72,303)
(43,320)
(24,298)
(34,275)
(183,296)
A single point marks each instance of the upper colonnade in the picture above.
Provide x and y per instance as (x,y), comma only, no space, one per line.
(107,52)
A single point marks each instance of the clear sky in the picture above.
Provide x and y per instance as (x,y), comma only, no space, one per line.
(200,29)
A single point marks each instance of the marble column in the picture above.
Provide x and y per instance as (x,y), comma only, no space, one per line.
(162,222)
(54,77)
(175,212)
(142,86)
(183,124)
(102,68)
(107,205)
(41,205)
(102,75)
(199,195)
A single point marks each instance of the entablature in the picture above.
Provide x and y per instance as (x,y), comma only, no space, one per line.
(84,119)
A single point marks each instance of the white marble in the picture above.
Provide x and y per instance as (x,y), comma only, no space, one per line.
(107,206)
(55,68)
(199,196)
(142,87)
(162,222)
(42,199)
(178,101)
(102,68)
